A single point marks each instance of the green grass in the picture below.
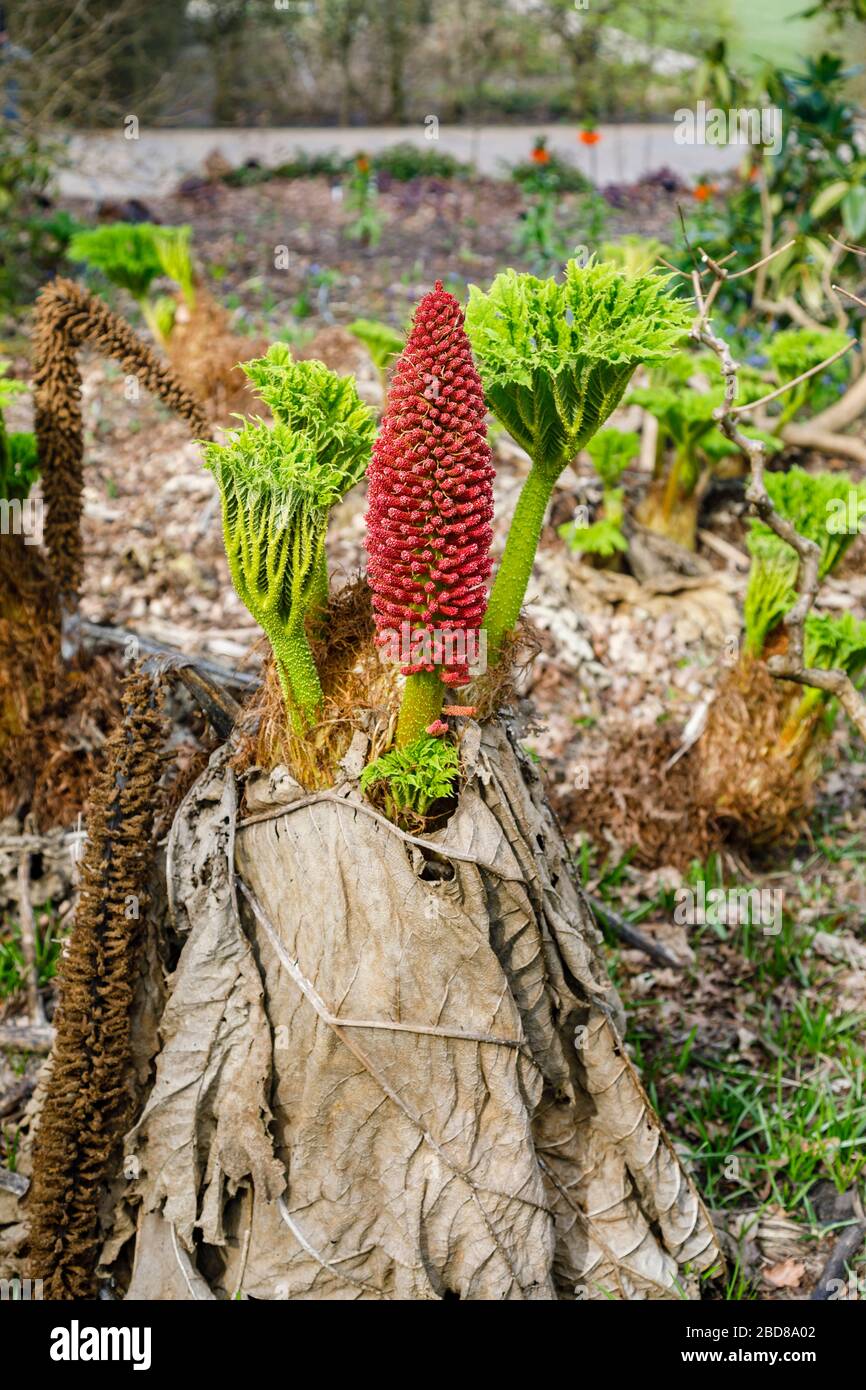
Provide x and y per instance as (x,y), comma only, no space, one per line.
(48,947)
(762,1129)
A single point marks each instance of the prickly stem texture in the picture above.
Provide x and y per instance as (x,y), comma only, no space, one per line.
(431,489)
(91,1097)
(68,318)
(299,676)
(515,568)
(421,706)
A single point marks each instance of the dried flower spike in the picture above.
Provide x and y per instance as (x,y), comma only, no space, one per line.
(430,507)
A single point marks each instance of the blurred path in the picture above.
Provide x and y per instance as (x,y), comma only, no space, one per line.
(104,164)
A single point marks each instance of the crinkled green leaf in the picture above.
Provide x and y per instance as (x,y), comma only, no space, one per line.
(555,358)
(311,399)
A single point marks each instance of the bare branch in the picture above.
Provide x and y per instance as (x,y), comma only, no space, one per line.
(789,385)
(839,289)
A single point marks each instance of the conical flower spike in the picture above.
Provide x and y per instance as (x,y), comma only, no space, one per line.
(430,507)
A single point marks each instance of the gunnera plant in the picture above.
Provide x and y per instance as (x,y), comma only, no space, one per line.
(132,255)
(555,360)
(373,1018)
(611,452)
(759,757)
(796,351)
(820,506)
(278,485)
(683,396)
(190,325)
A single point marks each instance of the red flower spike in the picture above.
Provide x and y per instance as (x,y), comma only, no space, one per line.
(431,492)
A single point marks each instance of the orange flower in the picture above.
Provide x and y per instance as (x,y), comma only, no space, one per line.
(589,137)
(703,191)
(362,164)
(540,155)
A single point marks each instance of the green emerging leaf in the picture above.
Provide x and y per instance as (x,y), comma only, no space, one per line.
(124,251)
(604,537)
(772,587)
(10,387)
(823,507)
(19,463)
(834,642)
(277,486)
(416,775)
(611,452)
(173,246)
(798,350)
(316,402)
(382,341)
(555,359)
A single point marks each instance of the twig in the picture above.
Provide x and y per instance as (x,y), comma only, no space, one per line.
(18,1093)
(843,1252)
(789,665)
(839,289)
(121,636)
(804,376)
(765,260)
(809,436)
(855,250)
(23,1037)
(629,933)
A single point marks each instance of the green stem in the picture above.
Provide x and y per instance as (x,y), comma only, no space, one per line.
(515,568)
(149,315)
(672,486)
(319,594)
(292,714)
(299,677)
(421,706)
